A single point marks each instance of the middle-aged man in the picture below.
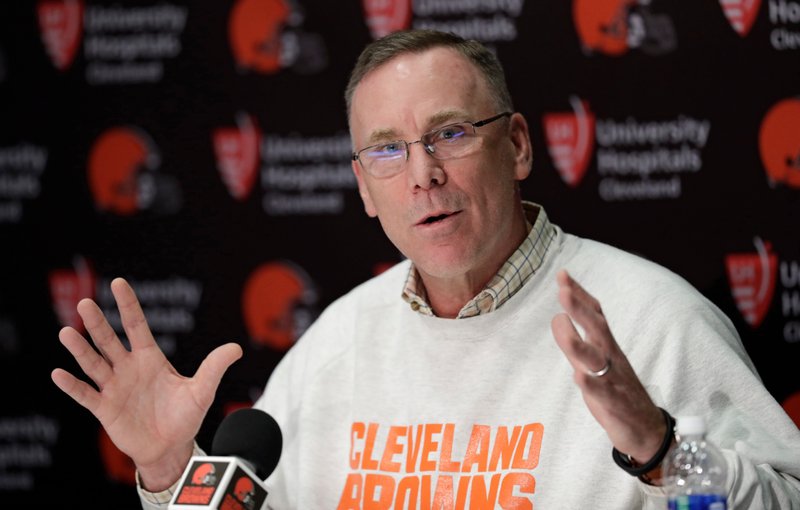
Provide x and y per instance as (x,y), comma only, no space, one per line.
(479,373)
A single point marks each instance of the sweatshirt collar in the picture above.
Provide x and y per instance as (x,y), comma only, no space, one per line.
(515,272)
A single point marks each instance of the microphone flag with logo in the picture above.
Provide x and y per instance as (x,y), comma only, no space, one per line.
(246,449)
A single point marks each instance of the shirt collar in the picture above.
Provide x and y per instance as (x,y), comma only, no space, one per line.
(515,272)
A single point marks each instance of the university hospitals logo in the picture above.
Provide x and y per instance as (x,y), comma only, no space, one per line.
(613,27)
(752,280)
(61,26)
(278,304)
(238,155)
(386,16)
(570,140)
(121,44)
(67,287)
(741,14)
(779,143)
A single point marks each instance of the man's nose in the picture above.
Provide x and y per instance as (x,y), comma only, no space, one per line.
(424,171)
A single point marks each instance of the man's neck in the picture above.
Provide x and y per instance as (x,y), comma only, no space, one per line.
(447,296)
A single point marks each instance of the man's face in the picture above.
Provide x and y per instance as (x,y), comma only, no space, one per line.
(473,197)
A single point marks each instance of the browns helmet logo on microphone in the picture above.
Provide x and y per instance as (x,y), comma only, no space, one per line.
(386,16)
(779,143)
(570,140)
(205,474)
(242,494)
(244,490)
(201,483)
(61,28)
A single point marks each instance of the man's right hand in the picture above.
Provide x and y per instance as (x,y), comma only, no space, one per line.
(150,411)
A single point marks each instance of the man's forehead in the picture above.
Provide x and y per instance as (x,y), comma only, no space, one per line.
(451,78)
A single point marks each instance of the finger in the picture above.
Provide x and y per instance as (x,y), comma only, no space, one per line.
(566,281)
(100,330)
(581,355)
(133,319)
(80,391)
(584,310)
(212,369)
(92,364)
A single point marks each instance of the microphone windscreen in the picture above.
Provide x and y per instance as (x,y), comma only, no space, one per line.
(252,435)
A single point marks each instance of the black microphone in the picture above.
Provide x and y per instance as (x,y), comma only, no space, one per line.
(252,435)
(246,449)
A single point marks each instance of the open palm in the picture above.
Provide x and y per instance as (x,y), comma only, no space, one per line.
(150,411)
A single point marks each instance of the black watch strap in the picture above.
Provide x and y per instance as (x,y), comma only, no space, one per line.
(624,461)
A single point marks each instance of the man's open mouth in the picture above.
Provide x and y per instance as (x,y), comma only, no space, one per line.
(437,218)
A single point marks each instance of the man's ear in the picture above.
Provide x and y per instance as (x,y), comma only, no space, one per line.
(523,150)
(369,207)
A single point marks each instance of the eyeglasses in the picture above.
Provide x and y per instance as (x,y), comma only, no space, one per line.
(386,159)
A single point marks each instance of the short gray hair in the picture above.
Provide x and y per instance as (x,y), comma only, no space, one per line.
(418,41)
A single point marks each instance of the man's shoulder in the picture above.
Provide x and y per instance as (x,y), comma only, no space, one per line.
(380,291)
(613,269)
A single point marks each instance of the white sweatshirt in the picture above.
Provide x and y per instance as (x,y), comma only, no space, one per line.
(382,407)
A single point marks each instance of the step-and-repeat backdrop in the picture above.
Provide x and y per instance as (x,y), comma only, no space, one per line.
(201,151)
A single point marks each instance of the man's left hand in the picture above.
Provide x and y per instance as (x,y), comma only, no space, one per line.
(610,387)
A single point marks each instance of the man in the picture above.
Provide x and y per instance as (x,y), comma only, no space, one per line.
(476,388)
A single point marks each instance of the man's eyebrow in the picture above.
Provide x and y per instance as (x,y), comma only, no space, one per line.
(381,135)
(438,118)
(443,116)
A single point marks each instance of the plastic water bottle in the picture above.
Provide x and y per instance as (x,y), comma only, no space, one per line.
(694,470)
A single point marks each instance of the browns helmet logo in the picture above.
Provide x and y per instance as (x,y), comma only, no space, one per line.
(741,14)
(570,140)
(779,143)
(237,152)
(752,281)
(68,287)
(245,492)
(387,16)
(254,33)
(205,474)
(275,304)
(61,26)
(116,168)
(612,27)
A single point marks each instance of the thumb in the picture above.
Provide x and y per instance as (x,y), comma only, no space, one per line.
(211,370)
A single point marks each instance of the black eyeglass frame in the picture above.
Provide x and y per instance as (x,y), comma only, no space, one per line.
(429,147)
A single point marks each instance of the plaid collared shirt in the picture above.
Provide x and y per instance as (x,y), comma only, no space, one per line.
(517,270)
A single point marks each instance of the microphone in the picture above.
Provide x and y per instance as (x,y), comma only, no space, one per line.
(245,450)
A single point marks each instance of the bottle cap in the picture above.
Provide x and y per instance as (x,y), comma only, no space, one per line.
(691,425)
